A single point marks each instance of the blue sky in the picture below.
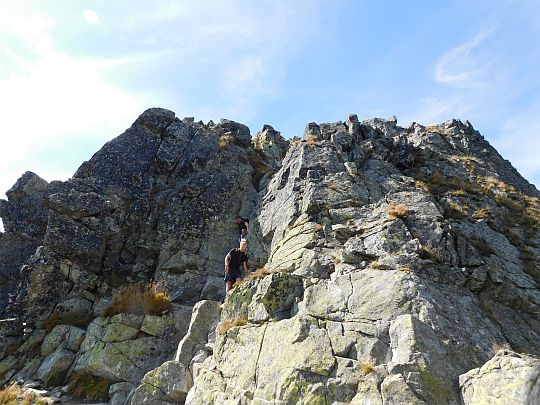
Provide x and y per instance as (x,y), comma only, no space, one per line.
(74,74)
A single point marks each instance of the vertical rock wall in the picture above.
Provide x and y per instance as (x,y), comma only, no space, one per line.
(156,203)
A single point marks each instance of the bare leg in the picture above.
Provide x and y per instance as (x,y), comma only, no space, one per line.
(228,286)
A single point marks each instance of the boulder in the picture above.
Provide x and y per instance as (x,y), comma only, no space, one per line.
(66,336)
(204,320)
(507,378)
(53,369)
(114,351)
(270,297)
(169,383)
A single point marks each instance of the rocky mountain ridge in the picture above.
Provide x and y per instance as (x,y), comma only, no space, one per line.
(394,263)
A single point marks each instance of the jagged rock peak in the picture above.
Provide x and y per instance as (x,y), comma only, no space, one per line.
(391,263)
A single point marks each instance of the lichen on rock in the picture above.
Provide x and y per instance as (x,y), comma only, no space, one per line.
(395,260)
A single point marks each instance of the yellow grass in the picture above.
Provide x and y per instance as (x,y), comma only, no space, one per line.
(481,213)
(397,211)
(457,210)
(377,265)
(469,162)
(458,193)
(225,141)
(422,185)
(254,275)
(149,299)
(14,395)
(367,367)
(429,253)
(228,324)
(312,141)
(433,129)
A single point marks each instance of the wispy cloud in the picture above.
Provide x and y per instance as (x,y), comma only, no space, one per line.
(50,96)
(53,98)
(431,110)
(459,66)
(241,47)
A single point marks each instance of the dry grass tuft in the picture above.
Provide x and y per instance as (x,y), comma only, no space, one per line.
(260,168)
(367,367)
(422,185)
(457,211)
(226,325)
(491,183)
(510,203)
(225,141)
(312,141)
(378,265)
(398,211)
(481,213)
(149,299)
(254,275)
(14,395)
(83,385)
(259,273)
(439,184)
(458,193)
(332,186)
(429,253)
(433,129)
(469,162)
(405,269)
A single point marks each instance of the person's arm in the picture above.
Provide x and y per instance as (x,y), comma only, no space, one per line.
(227,261)
(245,268)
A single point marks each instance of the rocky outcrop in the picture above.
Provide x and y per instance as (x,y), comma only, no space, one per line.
(124,347)
(171,381)
(409,271)
(157,203)
(505,379)
(25,220)
(395,261)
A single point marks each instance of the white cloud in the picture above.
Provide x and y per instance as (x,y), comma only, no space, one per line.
(459,66)
(90,16)
(54,98)
(432,110)
(251,77)
(247,44)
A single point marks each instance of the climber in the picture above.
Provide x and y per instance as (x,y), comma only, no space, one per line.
(243,226)
(234,260)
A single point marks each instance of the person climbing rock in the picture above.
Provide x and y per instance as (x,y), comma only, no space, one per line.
(243,226)
(235,260)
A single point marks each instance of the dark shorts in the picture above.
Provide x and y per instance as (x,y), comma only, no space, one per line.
(233,276)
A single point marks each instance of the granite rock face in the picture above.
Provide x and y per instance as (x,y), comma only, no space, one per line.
(396,261)
(417,251)
(505,379)
(24,215)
